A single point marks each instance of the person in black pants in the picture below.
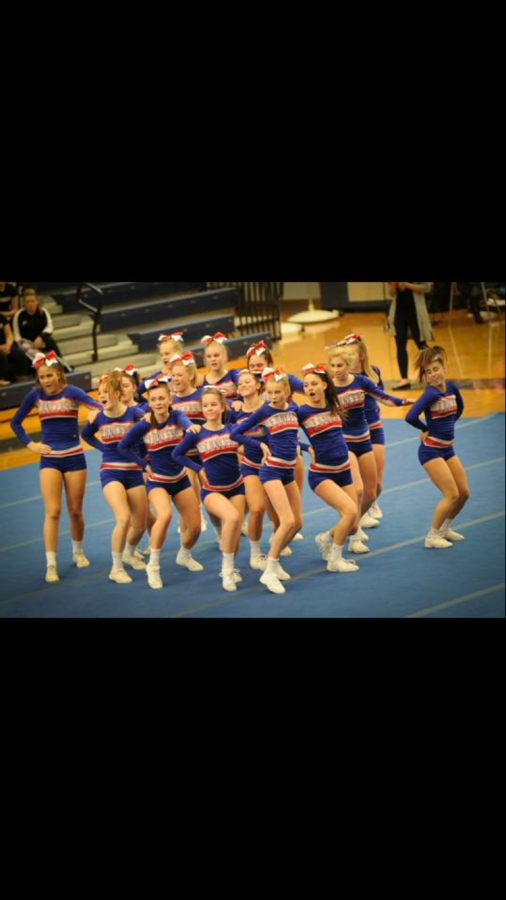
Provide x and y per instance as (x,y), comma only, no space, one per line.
(409,316)
(12,360)
(33,329)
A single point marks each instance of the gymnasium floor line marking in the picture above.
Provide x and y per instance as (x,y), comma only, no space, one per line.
(410,440)
(301,576)
(87,579)
(310,572)
(314,512)
(433,609)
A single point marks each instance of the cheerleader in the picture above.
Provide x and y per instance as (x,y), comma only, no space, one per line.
(260,357)
(122,482)
(216,358)
(442,405)
(167,479)
(277,472)
(186,397)
(168,345)
(63,464)
(330,470)
(360,365)
(352,390)
(250,389)
(130,382)
(223,487)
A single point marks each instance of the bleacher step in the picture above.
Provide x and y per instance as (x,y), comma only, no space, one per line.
(85,342)
(82,359)
(147,363)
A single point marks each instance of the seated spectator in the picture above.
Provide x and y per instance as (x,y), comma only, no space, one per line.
(8,299)
(33,329)
(12,360)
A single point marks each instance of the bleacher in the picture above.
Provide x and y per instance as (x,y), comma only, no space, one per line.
(134,314)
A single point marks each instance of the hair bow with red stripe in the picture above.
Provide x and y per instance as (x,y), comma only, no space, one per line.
(127,370)
(186,358)
(154,382)
(257,350)
(318,370)
(277,374)
(349,339)
(177,337)
(43,359)
(218,337)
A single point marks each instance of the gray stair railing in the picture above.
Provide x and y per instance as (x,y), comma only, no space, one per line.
(95,311)
(259,307)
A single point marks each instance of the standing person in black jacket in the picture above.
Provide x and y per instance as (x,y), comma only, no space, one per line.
(33,328)
(8,300)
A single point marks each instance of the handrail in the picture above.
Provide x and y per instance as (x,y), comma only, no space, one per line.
(96,312)
(259,306)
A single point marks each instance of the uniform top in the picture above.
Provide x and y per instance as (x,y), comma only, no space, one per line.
(191,405)
(324,428)
(112,430)
(254,453)
(441,409)
(372,410)
(218,453)
(58,414)
(352,399)
(158,442)
(282,426)
(228,384)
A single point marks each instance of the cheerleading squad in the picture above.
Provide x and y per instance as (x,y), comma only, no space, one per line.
(229,444)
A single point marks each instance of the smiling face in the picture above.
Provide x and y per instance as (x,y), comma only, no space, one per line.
(435,374)
(49,379)
(181,378)
(248,385)
(213,407)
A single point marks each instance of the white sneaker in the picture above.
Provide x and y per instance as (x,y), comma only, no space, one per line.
(368,521)
(258,562)
(358,547)
(153,575)
(80,560)
(228,582)
(360,535)
(450,535)
(342,565)
(324,544)
(281,574)
(298,537)
(273,583)
(237,576)
(146,551)
(375,511)
(119,576)
(139,554)
(138,564)
(188,562)
(52,575)
(435,541)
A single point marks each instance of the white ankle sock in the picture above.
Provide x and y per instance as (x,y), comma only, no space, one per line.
(130,549)
(228,562)
(51,558)
(185,553)
(77,546)
(447,524)
(336,552)
(117,561)
(154,559)
(255,548)
(271,566)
